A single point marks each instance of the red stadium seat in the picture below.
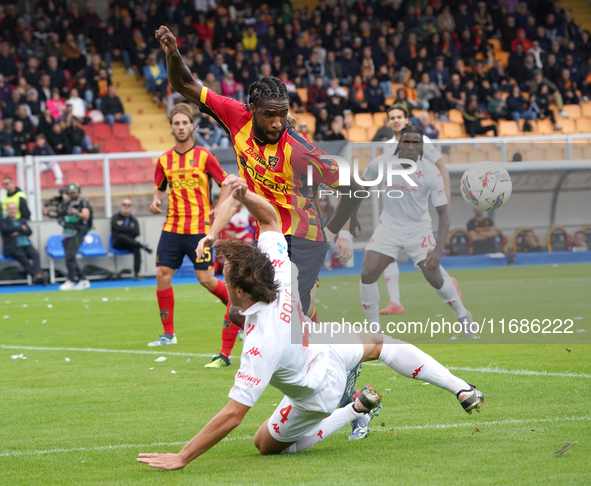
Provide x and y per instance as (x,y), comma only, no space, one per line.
(102,131)
(74,175)
(95,177)
(88,130)
(121,130)
(112,145)
(118,176)
(131,144)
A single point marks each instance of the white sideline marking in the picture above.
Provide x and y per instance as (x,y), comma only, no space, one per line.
(248,437)
(501,371)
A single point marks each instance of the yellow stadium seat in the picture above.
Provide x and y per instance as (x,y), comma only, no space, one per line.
(502,56)
(496,43)
(453,130)
(303,94)
(378,119)
(508,128)
(455,116)
(396,87)
(583,125)
(364,120)
(573,111)
(567,124)
(358,134)
(545,127)
(586,109)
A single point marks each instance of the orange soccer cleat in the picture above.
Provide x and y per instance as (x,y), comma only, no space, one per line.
(392,308)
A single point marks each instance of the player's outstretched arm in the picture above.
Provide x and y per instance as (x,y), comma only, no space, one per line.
(261,209)
(218,427)
(434,256)
(228,208)
(178,73)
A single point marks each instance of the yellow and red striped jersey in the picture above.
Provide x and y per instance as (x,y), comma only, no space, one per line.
(278,172)
(188,176)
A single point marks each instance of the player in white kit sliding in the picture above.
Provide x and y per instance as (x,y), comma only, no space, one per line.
(263,282)
(405,224)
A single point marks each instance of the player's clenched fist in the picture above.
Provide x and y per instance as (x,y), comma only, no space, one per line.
(167,40)
(237,186)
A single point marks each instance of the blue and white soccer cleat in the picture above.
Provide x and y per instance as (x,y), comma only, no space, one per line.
(360,427)
(350,389)
(163,341)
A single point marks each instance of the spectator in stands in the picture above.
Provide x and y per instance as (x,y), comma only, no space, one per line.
(357,100)
(376,101)
(6,149)
(482,233)
(75,59)
(530,243)
(21,115)
(517,106)
(317,95)
(207,134)
(56,105)
(59,140)
(454,94)
(336,106)
(125,229)
(211,83)
(580,242)
(473,120)
(156,79)
(497,107)
(440,75)
(20,139)
(14,194)
(350,66)
(43,148)
(332,67)
(336,130)
(568,88)
(233,89)
(322,125)
(429,95)
(15,236)
(113,109)
(8,65)
(554,95)
(428,128)
(542,103)
(77,103)
(77,138)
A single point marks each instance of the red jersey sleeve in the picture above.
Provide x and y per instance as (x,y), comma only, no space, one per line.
(305,154)
(160,179)
(230,114)
(213,167)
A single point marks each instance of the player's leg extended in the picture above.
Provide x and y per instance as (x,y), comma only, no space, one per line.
(410,361)
(229,332)
(213,284)
(392,276)
(374,264)
(165,296)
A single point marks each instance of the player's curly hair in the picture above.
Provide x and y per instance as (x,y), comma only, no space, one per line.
(249,270)
(410,129)
(269,88)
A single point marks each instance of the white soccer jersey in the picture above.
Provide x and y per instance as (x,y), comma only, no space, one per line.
(410,204)
(430,152)
(273,350)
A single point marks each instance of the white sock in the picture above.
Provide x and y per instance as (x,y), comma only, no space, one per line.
(337,420)
(370,300)
(410,361)
(392,275)
(450,296)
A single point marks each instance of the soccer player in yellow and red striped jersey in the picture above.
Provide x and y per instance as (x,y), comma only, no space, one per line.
(274,160)
(187,170)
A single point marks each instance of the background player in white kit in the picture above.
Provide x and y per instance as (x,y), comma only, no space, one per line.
(405,224)
(398,118)
(263,282)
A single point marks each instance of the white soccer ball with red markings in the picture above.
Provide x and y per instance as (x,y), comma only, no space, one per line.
(486,186)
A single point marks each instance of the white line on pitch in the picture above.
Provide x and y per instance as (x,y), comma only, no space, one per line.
(501,371)
(248,437)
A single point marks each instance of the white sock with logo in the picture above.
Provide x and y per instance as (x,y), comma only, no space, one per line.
(370,300)
(450,296)
(392,276)
(410,361)
(336,421)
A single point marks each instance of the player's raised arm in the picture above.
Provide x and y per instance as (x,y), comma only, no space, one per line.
(178,73)
(225,210)
(261,209)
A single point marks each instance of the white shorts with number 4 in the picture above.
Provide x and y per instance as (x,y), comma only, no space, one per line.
(295,418)
(416,241)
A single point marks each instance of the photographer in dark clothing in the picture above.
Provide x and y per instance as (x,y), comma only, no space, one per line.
(125,229)
(75,215)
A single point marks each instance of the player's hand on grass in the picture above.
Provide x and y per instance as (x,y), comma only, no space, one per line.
(167,40)
(432,260)
(207,240)
(162,461)
(344,250)
(155,206)
(237,186)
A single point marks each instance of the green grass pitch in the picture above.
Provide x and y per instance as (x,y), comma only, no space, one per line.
(84,421)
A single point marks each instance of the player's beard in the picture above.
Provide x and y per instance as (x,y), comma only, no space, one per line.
(179,140)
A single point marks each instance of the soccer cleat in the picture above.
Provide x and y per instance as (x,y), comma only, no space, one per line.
(455,282)
(367,399)
(392,308)
(67,285)
(350,390)
(360,427)
(83,285)
(466,321)
(219,361)
(164,341)
(470,399)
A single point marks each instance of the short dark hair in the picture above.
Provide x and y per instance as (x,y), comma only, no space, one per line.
(265,89)
(249,270)
(412,129)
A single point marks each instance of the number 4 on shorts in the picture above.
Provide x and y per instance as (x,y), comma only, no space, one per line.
(284,412)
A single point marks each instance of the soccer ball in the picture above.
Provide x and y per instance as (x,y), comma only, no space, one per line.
(486,186)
